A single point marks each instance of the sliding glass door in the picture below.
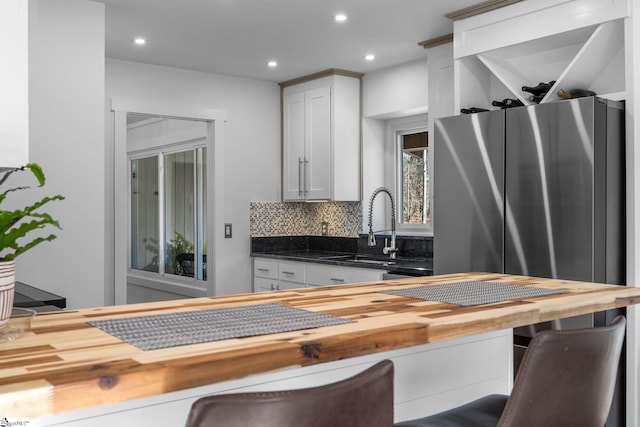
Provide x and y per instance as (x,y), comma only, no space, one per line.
(168,213)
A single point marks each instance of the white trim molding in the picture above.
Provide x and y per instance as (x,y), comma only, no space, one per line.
(216,183)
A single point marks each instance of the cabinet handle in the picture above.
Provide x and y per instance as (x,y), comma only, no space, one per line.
(263,269)
(304,175)
(300,163)
(288,272)
(334,279)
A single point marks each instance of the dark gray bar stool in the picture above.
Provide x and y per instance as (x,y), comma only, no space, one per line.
(364,400)
(566,380)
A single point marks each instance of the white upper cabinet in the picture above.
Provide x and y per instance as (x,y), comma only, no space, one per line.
(307,144)
(577,44)
(321,138)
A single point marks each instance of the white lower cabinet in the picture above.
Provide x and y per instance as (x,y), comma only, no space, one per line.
(318,275)
(265,275)
(274,275)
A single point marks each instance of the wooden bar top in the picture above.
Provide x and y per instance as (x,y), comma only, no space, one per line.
(64,364)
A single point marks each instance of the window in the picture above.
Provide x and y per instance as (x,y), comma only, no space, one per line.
(414,203)
(144,214)
(168,214)
(412,174)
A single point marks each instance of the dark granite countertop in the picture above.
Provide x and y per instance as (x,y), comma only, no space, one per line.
(408,266)
(29,296)
(349,255)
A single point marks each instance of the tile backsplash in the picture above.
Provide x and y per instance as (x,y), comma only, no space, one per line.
(266,219)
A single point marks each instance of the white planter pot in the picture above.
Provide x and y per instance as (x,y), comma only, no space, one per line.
(7,286)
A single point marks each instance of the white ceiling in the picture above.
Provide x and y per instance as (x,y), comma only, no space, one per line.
(238,37)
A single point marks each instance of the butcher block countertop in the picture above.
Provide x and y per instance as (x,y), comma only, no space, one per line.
(64,364)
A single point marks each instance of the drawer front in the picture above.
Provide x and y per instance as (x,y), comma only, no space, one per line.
(261,284)
(318,275)
(291,272)
(265,268)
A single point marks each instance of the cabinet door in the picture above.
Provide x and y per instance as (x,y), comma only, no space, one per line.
(261,284)
(293,134)
(317,167)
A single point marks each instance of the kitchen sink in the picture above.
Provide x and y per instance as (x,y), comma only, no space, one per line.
(358,258)
(338,257)
(374,261)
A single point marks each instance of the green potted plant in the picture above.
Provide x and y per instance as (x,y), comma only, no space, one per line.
(15,229)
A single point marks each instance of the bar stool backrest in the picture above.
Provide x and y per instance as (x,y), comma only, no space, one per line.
(566,378)
(364,400)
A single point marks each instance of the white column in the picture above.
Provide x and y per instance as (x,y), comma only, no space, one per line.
(14,83)
(66,137)
(632,59)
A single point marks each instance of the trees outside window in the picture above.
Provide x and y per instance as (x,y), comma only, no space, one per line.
(413,178)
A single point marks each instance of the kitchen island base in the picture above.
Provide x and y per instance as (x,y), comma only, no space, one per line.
(428,378)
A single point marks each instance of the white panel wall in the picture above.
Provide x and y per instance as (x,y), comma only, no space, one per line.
(441,96)
(427,379)
(252,142)
(66,117)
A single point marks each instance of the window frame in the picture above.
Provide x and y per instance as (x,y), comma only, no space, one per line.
(395,129)
(116,223)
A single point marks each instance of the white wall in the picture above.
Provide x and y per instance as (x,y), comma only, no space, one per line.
(66,127)
(396,91)
(252,141)
(374,170)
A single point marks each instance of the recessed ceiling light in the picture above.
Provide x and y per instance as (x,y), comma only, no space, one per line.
(369,57)
(340,17)
(140,41)
(272,64)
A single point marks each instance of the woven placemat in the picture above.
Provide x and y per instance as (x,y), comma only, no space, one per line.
(175,329)
(473,293)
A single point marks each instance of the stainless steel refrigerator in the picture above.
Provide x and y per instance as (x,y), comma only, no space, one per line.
(536,190)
